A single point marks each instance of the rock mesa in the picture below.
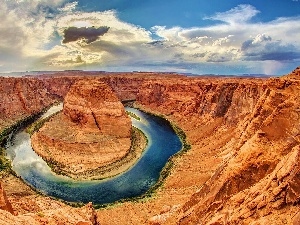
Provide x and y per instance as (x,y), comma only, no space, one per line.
(92,131)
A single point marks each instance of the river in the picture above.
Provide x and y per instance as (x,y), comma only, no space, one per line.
(162,144)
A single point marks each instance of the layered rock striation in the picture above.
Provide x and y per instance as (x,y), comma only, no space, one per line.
(243,165)
(20,98)
(249,129)
(4,203)
(92,105)
(64,215)
(92,131)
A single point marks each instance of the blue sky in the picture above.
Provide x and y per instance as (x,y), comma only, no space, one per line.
(193,36)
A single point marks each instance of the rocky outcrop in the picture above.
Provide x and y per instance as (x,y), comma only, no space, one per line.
(263,119)
(295,74)
(92,105)
(124,85)
(22,97)
(243,165)
(65,215)
(4,203)
(92,131)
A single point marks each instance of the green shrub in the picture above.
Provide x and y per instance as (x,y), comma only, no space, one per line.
(131,114)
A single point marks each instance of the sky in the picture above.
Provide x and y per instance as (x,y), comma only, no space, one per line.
(192,36)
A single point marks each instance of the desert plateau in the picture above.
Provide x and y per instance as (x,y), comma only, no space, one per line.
(239,158)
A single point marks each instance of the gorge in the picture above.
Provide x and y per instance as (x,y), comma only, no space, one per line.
(242,168)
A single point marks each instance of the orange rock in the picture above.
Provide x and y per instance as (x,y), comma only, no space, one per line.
(92,131)
(65,215)
(4,203)
(22,97)
(92,103)
(242,168)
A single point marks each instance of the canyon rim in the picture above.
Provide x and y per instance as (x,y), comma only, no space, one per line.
(242,166)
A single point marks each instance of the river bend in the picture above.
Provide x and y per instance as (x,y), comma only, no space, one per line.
(162,144)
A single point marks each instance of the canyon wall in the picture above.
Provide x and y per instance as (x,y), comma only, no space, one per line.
(124,85)
(22,97)
(243,165)
(257,177)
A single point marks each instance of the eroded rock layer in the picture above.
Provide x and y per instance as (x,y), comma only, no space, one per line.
(93,130)
(243,165)
(255,177)
(20,98)
(64,215)
(4,203)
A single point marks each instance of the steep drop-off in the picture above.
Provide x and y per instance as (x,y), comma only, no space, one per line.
(20,98)
(257,177)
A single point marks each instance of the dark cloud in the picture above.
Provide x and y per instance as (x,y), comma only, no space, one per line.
(156,43)
(271,51)
(278,56)
(89,34)
(255,42)
(219,57)
(199,55)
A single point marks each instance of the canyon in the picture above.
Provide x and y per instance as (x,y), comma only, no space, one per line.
(241,164)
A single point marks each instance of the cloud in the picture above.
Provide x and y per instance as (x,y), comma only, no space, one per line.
(89,34)
(239,14)
(237,40)
(258,40)
(69,7)
(119,31)
(42,34)
(271,51)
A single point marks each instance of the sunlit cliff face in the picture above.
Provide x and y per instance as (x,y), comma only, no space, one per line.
(59,35)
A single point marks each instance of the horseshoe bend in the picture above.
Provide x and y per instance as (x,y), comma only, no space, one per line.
(241,164)
(91,132)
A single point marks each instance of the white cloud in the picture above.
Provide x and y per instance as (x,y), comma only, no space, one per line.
(31,33)
(237,15)
(274,40)
(69,7)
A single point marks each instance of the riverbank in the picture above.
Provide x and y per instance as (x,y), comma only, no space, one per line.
(167,169)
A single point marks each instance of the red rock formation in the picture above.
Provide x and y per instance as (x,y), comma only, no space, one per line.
(4,203)
(58,85)
(92,103)
(295,74)
(243,167)
(65,215)
(92,131)
(21,97)
(263,119)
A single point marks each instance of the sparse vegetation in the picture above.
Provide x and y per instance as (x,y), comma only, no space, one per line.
(182,136)
(38,124)
(15,127)
(5,165)
(133,115)
(170,163)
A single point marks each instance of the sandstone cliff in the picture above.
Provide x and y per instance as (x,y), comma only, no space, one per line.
(92,103)
(124,85)
(243,167)
(22,97)
(92,131)
(255,178)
